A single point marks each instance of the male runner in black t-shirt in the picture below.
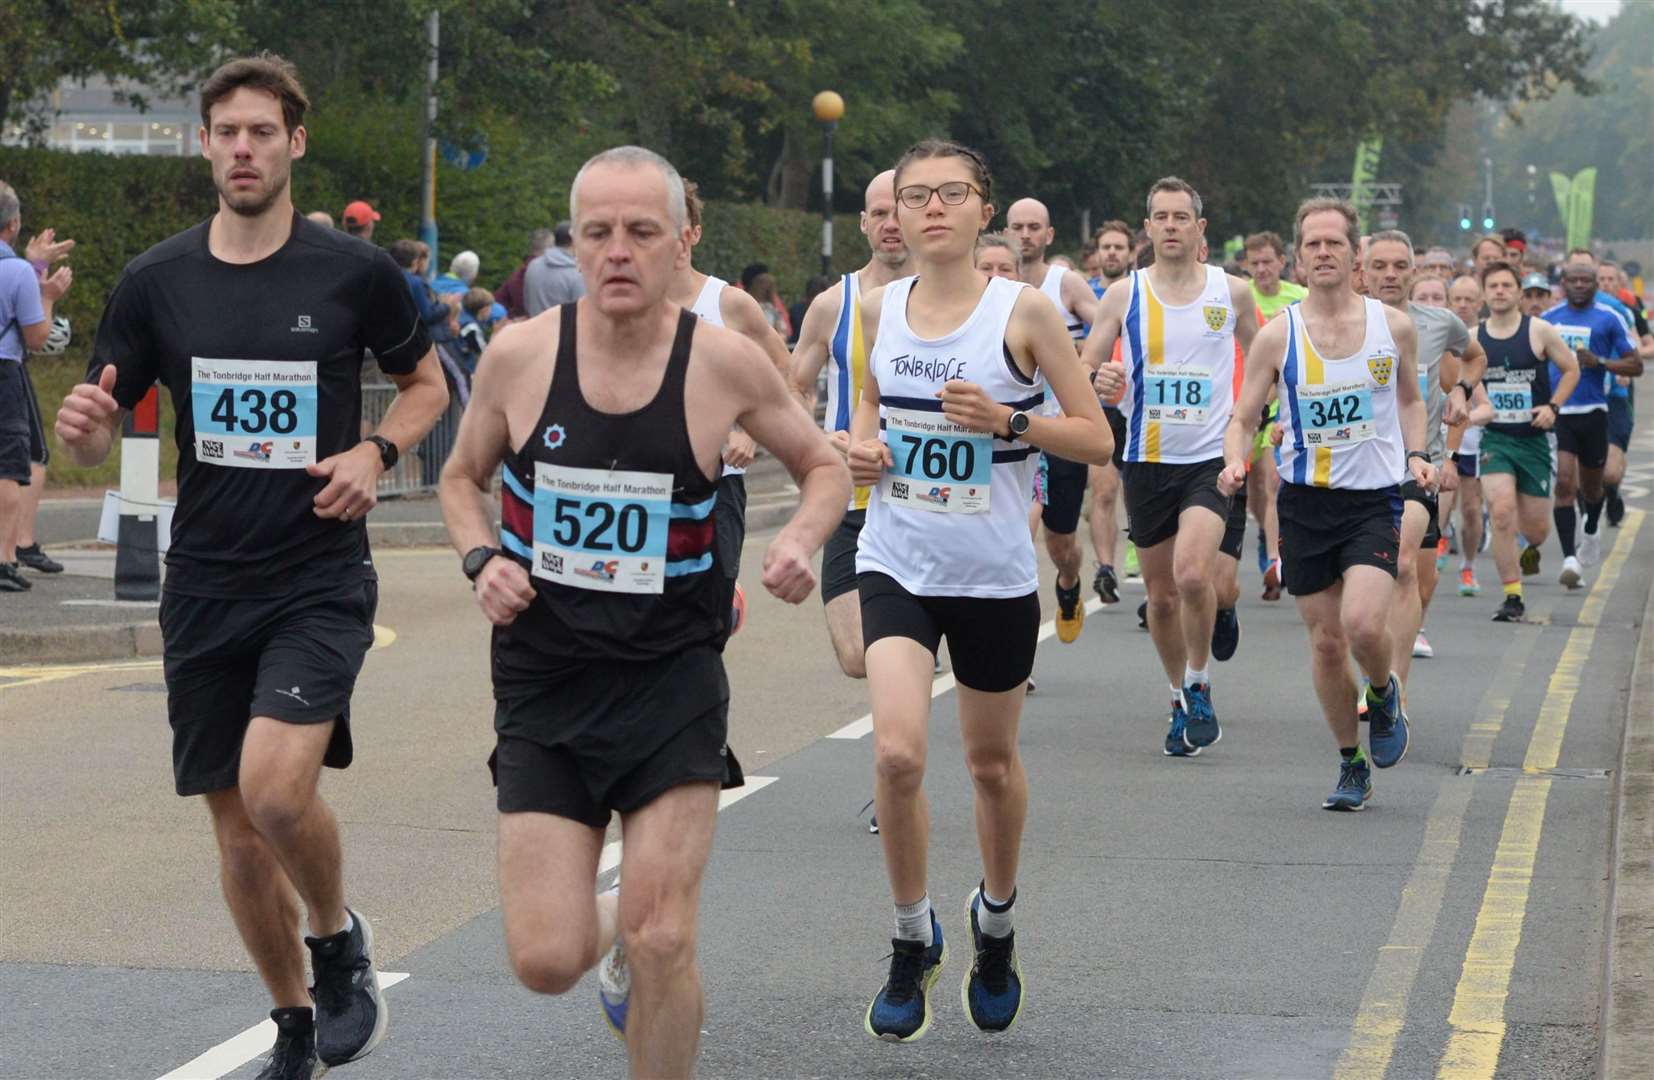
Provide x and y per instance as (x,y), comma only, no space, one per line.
(256,321)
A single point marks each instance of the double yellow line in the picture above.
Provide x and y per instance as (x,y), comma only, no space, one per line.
(1477,1017)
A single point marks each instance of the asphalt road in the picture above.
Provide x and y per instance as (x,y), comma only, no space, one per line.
(1177,918)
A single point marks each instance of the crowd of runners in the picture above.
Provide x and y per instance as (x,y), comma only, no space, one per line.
(975,386)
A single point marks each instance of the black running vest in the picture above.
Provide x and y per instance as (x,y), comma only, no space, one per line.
(613,518)
(1510,361)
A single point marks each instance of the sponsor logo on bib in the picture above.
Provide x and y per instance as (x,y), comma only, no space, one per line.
(1381,367)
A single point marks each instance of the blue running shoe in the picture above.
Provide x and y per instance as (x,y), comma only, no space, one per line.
(1175,745)
(1355,786)
(1387,738)
(992,990)
(900,1012)
(1201,729)
(614,987)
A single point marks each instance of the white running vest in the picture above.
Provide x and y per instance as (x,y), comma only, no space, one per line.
(706,309)
(1181,375)
(1052,288)
(846,366)
(1338,417)
(950,517)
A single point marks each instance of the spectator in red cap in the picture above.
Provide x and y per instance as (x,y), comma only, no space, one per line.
(360,217)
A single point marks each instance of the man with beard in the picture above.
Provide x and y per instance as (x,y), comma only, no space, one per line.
(270,587)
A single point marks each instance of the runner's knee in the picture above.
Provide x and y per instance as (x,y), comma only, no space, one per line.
(552,966)
(899,763)
(663,941)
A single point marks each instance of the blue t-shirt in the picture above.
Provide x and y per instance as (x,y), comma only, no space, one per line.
(1599,329)
(19,302)
(1614,388)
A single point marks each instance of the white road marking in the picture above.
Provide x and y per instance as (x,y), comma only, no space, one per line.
(610,858)
(233,1053)
(945,682)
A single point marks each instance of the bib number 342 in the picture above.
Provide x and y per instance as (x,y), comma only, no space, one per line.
(254,414)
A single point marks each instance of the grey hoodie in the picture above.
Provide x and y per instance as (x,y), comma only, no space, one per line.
(551,280)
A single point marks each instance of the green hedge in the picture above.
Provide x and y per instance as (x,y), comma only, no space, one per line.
(116,207)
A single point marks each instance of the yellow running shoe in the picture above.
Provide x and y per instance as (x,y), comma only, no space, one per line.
(1070,613)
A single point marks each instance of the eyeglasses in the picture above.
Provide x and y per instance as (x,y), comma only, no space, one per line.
(952,193)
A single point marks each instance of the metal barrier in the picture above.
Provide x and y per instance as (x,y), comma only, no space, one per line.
(418,469)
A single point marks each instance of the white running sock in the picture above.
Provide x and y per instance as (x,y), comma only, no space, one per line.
(994,923)
(1177,695)
(1191,677)
(913,921)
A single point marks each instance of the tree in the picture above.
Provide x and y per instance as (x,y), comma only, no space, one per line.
(160,46)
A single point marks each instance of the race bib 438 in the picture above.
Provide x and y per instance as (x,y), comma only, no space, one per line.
(254,414)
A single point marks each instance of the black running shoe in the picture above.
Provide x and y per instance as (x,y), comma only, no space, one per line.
(1226,634)
(1107,585)
(12,579)
(294,1055)
(1511,610)
(35,559)
(350,1010)
(1143,615)
(1615,510)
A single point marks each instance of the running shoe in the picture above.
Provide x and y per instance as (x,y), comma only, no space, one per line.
(1441,554)
(1176,746)
(1590,546)
(1143,615)
(1201,728)
(737,610)
(1272,581)
(1450,538)
(1355,786)
(1468,585)
(1511,610)
(1615,509)
(1487,534)
(350,1009)
(12,579)
(1388,735)
(992,990)
(1106,585)
(614,987)
(1263,551)
(1132,569)
(1421,647)
(1530,561)
(1226,633)
(1031,686)
(872,822)
(294,1055)
(1070,613)
(900,1011)
(1572,573)
(35,559)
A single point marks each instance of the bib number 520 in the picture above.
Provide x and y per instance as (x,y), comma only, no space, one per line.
(252,411)
(589,525)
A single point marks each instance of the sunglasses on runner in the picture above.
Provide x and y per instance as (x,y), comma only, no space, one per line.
(952,193)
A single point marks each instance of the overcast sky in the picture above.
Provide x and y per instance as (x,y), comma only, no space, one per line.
(1596,10)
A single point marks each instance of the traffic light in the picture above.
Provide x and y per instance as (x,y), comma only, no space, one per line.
(1464,218)
(1487,217)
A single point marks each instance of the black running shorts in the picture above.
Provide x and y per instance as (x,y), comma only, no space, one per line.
(1620,422)
(1584,435)
(293,659)
(15,429)
(1234,527)
(1117,424)
(1411,492)
(40,449)
(838,557)
(990,641)
(598,736)
(1469,465)
(729,529)
(1064,494)
(1325,531)
(1157,494)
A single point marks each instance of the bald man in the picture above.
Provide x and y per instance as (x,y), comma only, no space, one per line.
(322,218)
(1029,223)
(831,335)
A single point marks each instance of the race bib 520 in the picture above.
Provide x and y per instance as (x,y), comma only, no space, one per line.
(601,530)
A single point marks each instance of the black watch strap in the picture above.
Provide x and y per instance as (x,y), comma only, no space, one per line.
(477,558)
(1411,454)
(388,453)
(1466,387)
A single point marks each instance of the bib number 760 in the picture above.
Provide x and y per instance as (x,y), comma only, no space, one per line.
(938,459)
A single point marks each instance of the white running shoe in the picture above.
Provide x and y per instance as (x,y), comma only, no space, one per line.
(1572,573)
(1421,647)
(1590,545)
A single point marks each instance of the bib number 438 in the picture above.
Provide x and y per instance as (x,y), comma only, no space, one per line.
(260,411)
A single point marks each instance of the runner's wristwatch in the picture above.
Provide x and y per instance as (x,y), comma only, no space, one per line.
(1017,425)
(388,453)
(477,558)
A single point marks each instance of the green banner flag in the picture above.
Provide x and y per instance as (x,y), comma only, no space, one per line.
(1575,202)
(1362,175)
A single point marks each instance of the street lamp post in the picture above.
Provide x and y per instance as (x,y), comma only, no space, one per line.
(829,109)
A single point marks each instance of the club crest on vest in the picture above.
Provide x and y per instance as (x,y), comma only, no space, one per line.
(554,436)
(1381,367)
(1216,316)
